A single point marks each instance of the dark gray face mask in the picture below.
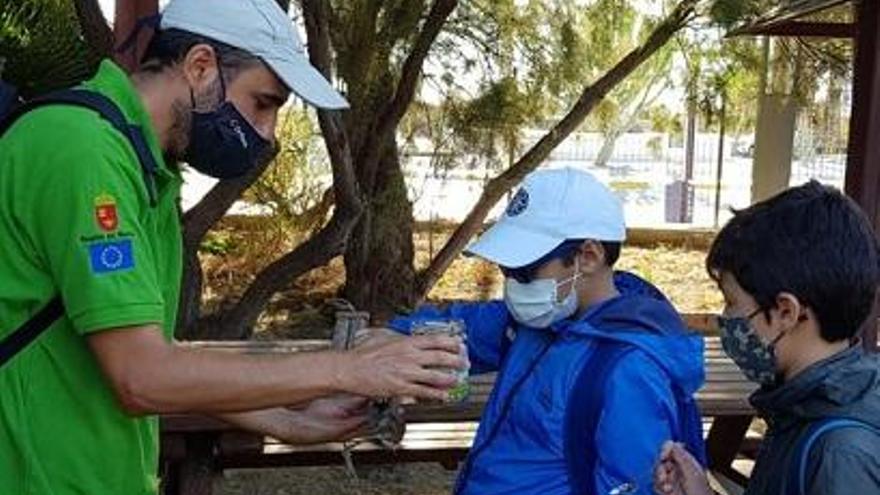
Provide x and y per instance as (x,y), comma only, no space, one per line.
(222,143)
(756,359)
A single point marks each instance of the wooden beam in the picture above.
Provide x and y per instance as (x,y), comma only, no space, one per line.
(798,9)
(863,163)
(800,29)
(128,12)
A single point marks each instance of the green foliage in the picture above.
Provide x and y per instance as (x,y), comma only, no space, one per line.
(729,13)
(732,66)
(217,243)
(663,119)
(43,48)
(293,185)
(719,67)
(503,66)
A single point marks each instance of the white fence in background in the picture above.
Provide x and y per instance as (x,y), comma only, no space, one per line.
(639,171)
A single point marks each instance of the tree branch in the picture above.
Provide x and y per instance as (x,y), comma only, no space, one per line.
(390,117)
(201,217)
(95,28)
(589,98)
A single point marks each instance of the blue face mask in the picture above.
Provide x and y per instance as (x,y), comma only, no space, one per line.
(756,359)
(222,143)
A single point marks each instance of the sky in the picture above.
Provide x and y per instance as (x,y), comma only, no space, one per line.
(109,7)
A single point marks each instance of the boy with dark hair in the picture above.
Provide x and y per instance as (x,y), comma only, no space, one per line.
(799,274)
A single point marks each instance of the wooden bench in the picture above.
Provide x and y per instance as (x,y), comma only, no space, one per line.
(195,448)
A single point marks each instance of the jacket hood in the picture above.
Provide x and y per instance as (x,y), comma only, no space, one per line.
(642,316)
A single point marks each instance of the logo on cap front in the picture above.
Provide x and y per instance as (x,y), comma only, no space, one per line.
(518,204)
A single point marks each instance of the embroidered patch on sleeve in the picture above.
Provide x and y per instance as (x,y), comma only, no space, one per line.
(105,212)
(108,257)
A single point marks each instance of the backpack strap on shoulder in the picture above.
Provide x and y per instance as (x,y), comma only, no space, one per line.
(108,111)
(584,410)
(797,475)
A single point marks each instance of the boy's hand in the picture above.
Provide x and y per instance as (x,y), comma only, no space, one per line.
(678,473)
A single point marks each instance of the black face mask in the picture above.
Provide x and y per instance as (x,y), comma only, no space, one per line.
(222,143)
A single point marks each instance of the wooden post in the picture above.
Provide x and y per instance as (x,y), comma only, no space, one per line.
(863,165)
(723,444)
(128,12)
(348,324)
(719,172)
(197,471)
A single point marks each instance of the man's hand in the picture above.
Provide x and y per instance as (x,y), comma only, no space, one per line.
(376,335)
(335,418)
(678,473)
(401,367)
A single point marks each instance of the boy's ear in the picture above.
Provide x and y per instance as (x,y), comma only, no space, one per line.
(789,310)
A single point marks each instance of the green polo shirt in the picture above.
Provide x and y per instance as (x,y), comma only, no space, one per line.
(75,220)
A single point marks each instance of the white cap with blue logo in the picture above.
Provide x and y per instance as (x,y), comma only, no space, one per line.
(261,28)
(551,206)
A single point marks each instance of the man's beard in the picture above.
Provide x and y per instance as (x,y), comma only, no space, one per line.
(181,112)
(179,132)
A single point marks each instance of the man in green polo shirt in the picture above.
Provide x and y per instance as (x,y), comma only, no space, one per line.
(78,220)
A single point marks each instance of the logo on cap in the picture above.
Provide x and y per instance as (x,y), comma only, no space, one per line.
(518,204)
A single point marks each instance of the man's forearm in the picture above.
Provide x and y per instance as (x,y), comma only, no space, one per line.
(265,421)
(207,381)
(149,375)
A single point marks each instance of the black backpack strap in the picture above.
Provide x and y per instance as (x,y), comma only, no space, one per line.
(9,100)
(27,333)
(108,111)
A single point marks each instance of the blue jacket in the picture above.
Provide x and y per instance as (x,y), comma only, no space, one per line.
(520,444)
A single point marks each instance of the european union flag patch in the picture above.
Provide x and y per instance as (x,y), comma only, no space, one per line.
(111,256)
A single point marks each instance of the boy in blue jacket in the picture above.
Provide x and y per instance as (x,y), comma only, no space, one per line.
(596,370)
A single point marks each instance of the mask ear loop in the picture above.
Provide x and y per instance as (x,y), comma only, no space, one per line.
(222,79)
(801,318)
(573,279)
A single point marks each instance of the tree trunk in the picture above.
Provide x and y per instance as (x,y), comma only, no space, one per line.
(128,12)
(631,118)
(196,223)
(589,98)
(380,277)
(379,265)
(608,145)
(95,28)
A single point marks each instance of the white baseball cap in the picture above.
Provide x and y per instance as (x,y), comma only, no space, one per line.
(259,27)
(551,206)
